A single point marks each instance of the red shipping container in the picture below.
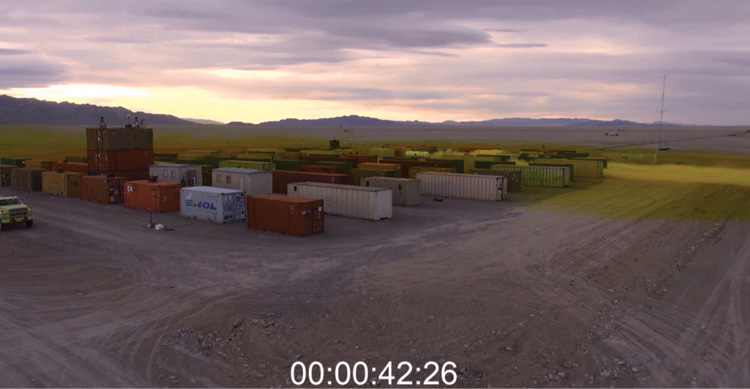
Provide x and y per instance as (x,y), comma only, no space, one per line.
(282,177)
(109,161)
(69,167)
(299,216)
(131,175)
(321,169)
(152,196)
(102,189)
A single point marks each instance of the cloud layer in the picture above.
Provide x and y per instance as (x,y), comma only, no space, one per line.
(425,60)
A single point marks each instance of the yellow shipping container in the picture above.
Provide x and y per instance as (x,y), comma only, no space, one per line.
(62,184)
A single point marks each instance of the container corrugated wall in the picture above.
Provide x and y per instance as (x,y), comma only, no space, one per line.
(405,191)
(281,178)
(255,165)
(61,184)
(152,196)
(27,178)
(348,200)
(252,182)
(463,186)
(217,205)
(515,182)
(581,168)
(185,175)
(102,189)
(547,176)
(299,216)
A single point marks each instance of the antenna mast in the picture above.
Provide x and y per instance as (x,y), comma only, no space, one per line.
(662,145)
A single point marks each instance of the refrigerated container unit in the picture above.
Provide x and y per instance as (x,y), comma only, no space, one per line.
(124,138)
(515,180)
(185,175)
(254,165)
(102,189)
(405,191)
(70,167)
(216,205)
(322,169)
(463,186)
(16,162)
(5,178)
(27,178)
(291,215)
(347,200)
(281,178)
(40,163)
(62,184)
(359,174)
(546,176)
(152,196)
(252,182)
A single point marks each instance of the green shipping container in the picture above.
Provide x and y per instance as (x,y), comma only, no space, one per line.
(567,165)
(17,162)
(582,168)
(289,164)
(255,165)
(546,176)
(515,177)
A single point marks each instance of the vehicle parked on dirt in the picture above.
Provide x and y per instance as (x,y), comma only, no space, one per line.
(14,211)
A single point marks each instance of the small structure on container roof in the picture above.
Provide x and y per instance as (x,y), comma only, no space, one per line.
(183,174)
(252,182)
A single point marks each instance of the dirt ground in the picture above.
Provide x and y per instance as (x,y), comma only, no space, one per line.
(614,282)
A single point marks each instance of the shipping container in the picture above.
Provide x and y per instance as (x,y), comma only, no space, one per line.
(72,167)
(646,157)
(255,157)
(322,169)
(108,161)
(484,164)
(567,165)
(347,200)
(407,164)
(298,216)
(102,189)
(199,154)
(76,158)
(463,186)
(582,168)
(17,162)
(217,205)
(152,196)
(130,175)
(39,163)
(290,155)
(62,184)
(254,165)
(127,138)
(281,178)
(359,174)
(356,159)
(547,176)
(308,152)
(185,175)
(262,150)
(27,178)
(346,167)
(5,177)
(382,166)
(515,181)
(602,159)
(418,169)
(289,164)
(382,152)
(252,182)
(405,191)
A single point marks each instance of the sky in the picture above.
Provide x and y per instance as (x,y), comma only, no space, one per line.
(428,60)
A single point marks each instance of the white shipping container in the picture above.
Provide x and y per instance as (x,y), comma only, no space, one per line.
(252,182)
(178,173)
(405,191)
(218,205)
(347,200)
(464,186)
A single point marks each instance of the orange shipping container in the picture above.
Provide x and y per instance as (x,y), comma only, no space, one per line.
(72,167)
(110,161)
(322,169)
(102,189)
(299,216)
(152,196)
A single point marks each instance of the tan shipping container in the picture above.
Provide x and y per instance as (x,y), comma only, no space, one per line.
(62,184)
(27,178)
(405,191)
(299,216)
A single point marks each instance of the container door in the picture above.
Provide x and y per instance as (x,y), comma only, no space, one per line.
(239,207)
(191,178)
(241,185)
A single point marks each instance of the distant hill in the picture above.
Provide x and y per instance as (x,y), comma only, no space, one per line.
(364,121)
(39,112)
(348,121)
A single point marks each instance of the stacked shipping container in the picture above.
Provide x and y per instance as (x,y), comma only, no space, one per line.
(126,152)
(185,175)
